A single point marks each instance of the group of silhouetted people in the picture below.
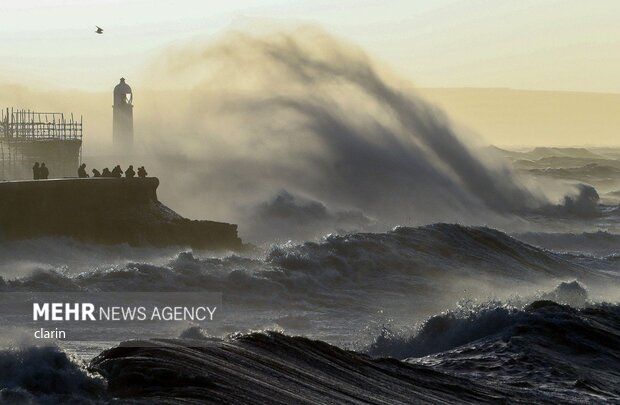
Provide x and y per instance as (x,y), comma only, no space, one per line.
(40,171)
(115,172)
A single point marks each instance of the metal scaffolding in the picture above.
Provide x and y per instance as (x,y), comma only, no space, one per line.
(29,136)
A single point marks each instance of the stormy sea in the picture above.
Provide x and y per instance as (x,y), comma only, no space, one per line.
(390,257)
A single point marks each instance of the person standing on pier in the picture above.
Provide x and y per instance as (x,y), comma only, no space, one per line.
(36,171)
(117,171)
(82,171)
(130,173)
(142,172)
(43,172)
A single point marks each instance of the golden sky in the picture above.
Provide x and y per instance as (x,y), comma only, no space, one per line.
(517,118)
(525,44)
(474,50)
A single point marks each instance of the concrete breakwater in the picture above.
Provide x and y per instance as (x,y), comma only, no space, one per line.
(104,210)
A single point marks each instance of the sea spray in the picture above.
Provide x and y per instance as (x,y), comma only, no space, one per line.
(300,113)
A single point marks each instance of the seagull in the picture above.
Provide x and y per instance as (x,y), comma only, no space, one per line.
(99,30)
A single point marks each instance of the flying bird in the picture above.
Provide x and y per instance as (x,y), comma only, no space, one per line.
(99,30)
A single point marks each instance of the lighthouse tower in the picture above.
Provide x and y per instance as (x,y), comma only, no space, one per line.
(122,112)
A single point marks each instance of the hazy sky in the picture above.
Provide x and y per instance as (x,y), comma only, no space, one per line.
(524,44)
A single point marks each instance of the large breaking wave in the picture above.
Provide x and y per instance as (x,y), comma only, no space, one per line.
(542,352)
(429,268)
(303,114)
(545,352)
(439,250)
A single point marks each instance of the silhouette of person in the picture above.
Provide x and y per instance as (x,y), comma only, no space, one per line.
(43,172)
(106,173)
(142,172)
(117,171)
(36,171)
(82,171)
(129,173)
(96,173)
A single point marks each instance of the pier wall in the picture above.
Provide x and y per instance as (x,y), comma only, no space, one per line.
(104,210)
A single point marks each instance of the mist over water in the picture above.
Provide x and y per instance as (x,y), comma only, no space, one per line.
(294,130)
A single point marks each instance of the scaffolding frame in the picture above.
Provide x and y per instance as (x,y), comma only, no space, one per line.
(27,136)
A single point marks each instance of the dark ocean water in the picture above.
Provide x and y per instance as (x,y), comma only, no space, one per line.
(438,314)
(542,353)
